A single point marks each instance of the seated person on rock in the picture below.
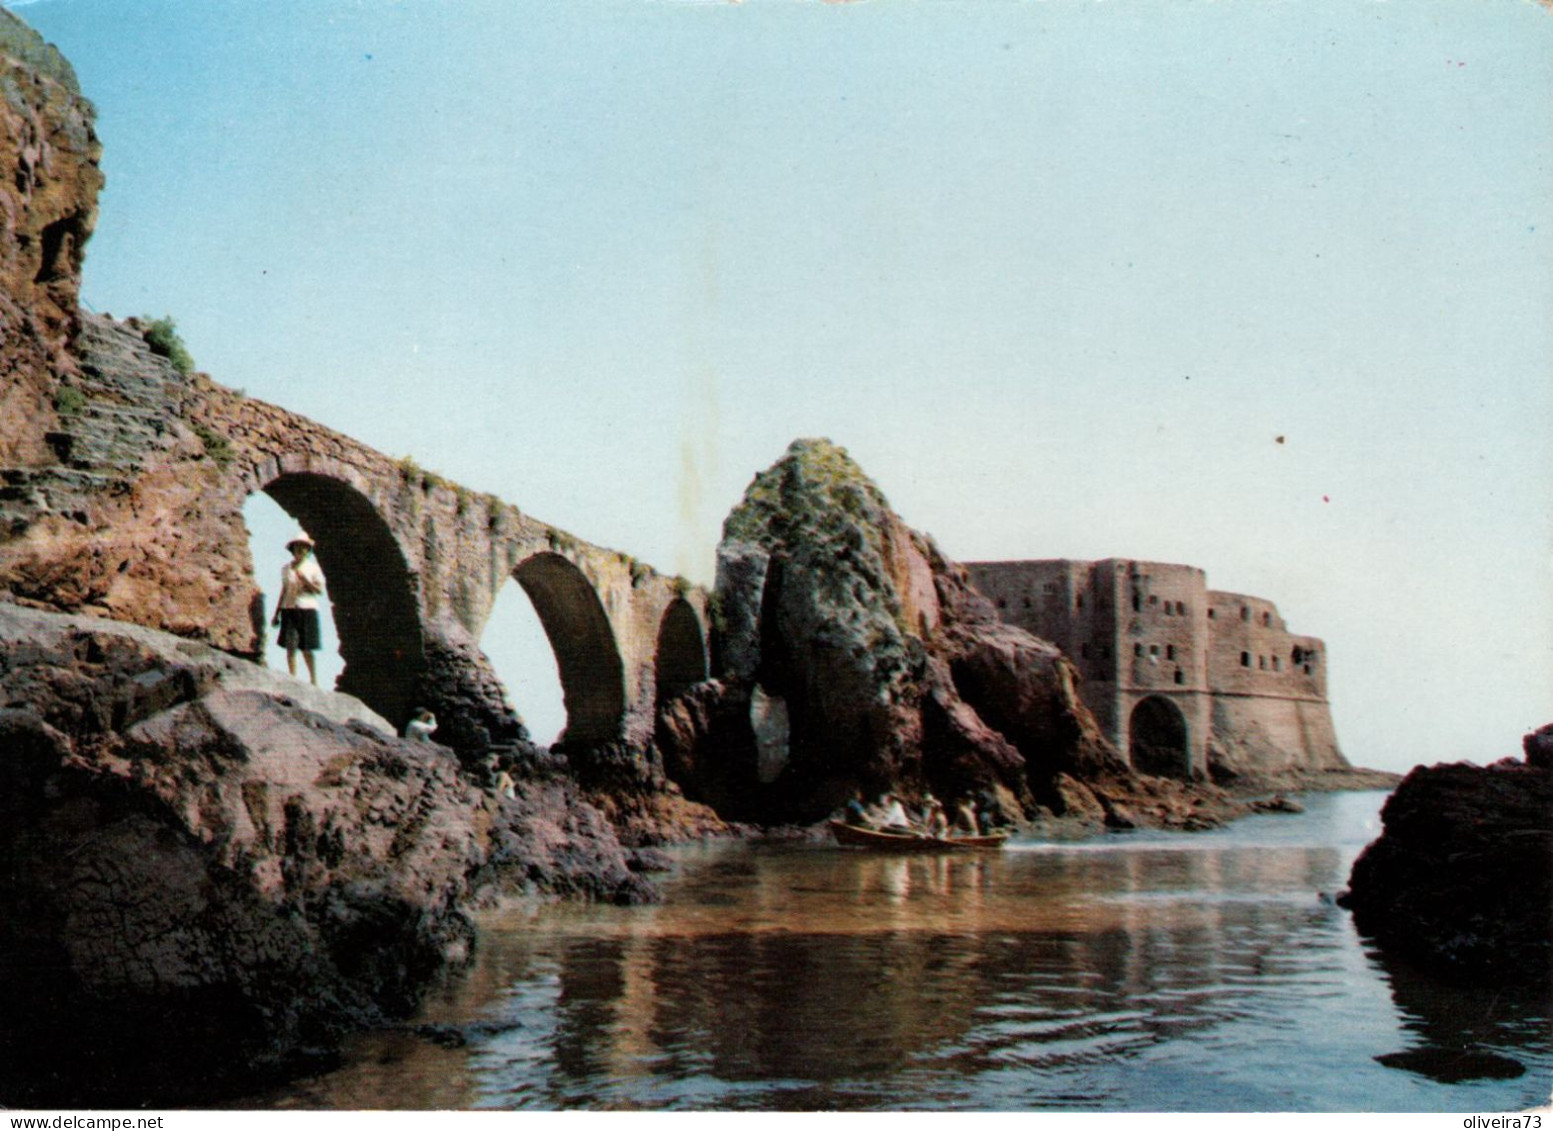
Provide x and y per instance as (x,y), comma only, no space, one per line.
(421,726)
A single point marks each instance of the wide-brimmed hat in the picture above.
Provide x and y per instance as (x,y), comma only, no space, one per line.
(300,540)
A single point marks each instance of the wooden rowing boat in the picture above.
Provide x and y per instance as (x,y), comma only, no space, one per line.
(859,837)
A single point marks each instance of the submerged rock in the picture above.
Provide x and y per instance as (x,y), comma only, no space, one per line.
(1454,1066)
(1461,878)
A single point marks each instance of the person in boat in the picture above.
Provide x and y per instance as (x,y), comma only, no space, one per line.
(893,816)
(991,814)
(934,819)
(856,813)
(965,822)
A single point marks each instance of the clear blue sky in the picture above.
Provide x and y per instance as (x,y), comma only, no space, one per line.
(1058,274)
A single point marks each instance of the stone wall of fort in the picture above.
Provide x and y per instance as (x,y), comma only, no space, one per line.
(1186,680)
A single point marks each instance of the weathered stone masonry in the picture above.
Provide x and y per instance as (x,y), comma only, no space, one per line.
(1188,681)
(142,522)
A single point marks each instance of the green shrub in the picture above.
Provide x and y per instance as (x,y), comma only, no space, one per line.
(161,334)
(69,401)
(217,446)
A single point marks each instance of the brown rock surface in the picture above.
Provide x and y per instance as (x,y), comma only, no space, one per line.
(891,672)
(48,198)
(203,879)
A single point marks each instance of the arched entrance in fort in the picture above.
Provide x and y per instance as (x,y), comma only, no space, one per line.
(370,590)
(680,658)
(592,674)
(1157,739)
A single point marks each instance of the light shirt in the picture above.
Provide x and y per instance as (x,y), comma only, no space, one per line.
(293,593)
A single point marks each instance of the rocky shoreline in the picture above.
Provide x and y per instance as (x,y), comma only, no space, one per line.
(209,872)
(1461,880)
(212,873)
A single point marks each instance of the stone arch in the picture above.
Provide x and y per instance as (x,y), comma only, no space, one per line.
(371,589)
(592,674)
(1157,740)
(680,657)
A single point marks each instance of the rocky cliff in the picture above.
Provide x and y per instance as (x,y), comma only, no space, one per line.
(209,872)
(1461,879)
(852,655)
(48,199)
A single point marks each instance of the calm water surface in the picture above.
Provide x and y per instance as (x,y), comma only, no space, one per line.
(1138,972)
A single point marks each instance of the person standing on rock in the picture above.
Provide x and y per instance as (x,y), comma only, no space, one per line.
(301,581)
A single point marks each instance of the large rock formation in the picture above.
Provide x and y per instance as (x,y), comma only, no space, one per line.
(1461,879)
(209,871)
(852,654)
(48,198)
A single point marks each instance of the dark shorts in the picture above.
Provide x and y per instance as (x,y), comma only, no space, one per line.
(299,629)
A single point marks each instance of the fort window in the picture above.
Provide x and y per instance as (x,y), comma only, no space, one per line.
(1137,649)
(1277,664)
(1267,619)
(1179,677)
(1170,651)
(1027,602)
(1137,602)
(1261,663)
(1245,659)
(1153,600)
(1002,603)
(1307,669)
(1153,649)
(1078,602)
(1181,608)
(1245,613)
(1210,614)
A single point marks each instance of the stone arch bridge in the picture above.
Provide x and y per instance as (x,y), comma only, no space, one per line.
(139,517)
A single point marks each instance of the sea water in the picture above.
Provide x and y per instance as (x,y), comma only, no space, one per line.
(1132,972)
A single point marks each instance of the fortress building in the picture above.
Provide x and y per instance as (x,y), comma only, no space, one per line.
(1187,681)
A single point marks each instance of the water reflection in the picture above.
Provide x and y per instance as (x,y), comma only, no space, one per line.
(1148,973)
(1458,1033)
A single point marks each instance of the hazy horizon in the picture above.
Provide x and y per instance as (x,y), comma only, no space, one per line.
(1261,289)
